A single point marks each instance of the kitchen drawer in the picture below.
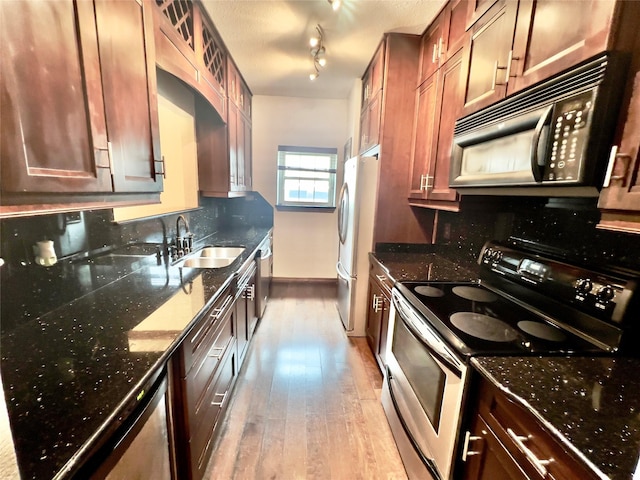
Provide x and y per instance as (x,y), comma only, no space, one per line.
(377,271)
(199,341)
(217,397)
(201,377)
(526,440)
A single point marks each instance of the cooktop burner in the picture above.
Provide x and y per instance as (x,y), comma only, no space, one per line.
(484,327)
(474,293)
(542,330)
(428,291)
(478,321)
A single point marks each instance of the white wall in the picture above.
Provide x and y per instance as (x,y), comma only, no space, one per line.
(305,243)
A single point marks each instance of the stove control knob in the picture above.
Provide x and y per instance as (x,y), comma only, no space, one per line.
(584,285)
(605,293)
(488,254)
(496,256)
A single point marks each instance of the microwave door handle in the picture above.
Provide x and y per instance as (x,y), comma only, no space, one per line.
(536,168)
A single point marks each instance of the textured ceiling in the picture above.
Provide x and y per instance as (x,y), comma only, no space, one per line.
(268,39)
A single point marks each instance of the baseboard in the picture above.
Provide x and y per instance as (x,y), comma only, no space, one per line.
(323,281)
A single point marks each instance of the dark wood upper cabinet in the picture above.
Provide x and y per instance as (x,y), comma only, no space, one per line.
(620,198)
(444,38)
(553,35)
(79,104)
(125,41)
(487,55)
(224,150)
(54,135)
(372,83)
(189,47)
(514,45)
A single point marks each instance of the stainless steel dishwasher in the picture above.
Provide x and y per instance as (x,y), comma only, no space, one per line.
(140,446)
(265,272)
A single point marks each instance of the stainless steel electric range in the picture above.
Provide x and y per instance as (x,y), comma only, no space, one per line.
(523,303)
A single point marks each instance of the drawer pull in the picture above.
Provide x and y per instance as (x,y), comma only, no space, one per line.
(381,278)
(539,465)
(249,292)
(378,303)
(217,312)
(221,402)
(465,450)
(218,352)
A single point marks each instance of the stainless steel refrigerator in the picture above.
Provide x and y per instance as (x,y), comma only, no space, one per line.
(356,212)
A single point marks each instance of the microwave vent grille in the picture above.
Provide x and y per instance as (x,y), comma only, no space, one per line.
(570,83)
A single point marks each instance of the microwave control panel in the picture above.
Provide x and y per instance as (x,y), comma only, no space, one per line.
(568,137)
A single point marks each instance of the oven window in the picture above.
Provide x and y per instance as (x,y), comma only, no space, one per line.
(425,376)
(500,155)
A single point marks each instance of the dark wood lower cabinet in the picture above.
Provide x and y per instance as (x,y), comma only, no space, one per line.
(505,441)
(206,366)
(379,300)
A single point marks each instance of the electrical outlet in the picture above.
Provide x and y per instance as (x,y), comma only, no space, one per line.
(446,231)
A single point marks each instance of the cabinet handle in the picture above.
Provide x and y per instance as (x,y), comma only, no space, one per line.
(434,55)
(381,278)
(249,292)
(621,174)
(219,351)
(423,183)
(221,402)
(494,82)
(378,303)
(217,312)
(539,465)
(440,48)
(465,449)
(110,155)
(510,60)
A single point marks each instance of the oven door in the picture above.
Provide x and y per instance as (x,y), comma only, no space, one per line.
(422,393)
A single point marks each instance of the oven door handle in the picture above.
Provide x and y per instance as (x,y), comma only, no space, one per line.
(425,334)
(428,462)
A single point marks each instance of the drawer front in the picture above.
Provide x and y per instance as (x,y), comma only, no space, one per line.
(539,454)
(380,274)
(198,343)
(218,396)
(200,379)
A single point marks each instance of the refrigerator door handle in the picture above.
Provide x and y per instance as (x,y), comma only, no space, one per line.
(343,208)
(340,270)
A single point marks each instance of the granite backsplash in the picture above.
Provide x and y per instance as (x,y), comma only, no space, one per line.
(29,290)
(563,229)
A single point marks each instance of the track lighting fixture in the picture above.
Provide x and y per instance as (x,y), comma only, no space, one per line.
(318,52)
(335,4)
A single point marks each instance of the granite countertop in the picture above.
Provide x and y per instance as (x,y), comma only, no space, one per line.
(67,372)
(592,405)
(435,265)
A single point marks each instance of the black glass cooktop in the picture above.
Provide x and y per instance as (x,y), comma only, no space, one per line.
(476,321)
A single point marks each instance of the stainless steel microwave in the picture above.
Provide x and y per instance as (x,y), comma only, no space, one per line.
(552,139)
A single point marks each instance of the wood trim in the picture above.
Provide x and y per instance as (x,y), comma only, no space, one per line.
(319,281)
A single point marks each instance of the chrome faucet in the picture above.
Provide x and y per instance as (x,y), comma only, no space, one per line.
(183,244)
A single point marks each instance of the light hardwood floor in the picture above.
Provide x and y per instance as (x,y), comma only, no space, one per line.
(307,401)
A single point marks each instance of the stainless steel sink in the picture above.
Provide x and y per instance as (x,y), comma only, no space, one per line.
(212,257)
(220,252)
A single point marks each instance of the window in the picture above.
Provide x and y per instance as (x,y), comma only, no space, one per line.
(307,177)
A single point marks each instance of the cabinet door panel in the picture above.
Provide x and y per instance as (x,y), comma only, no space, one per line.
(426,126)
(449,108)
(623,192)
(130,94)
(431,49)
(374,317)
(486,57)
(547,43)
(53,129)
